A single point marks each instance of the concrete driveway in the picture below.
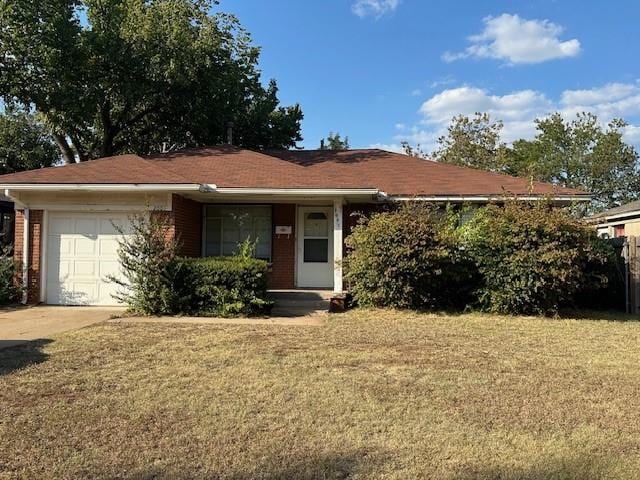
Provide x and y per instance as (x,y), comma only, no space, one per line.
(19,325)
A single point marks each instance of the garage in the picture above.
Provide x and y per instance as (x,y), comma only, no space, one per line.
(81,251)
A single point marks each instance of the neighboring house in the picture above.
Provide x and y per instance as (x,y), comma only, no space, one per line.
(620,221)
(297,204)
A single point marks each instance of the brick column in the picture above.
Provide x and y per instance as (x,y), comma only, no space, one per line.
(35,245)
(283,248)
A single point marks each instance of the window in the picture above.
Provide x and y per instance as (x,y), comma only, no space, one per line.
(226,226)
(316,238)
(618,231)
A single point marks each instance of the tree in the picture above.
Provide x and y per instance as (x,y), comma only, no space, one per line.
(578,153)
(148,263)
(114,76)
(581,154)
(413,151)
(334,142)
(24,142)
(473,142)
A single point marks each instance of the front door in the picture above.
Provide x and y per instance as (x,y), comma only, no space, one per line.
(315,247)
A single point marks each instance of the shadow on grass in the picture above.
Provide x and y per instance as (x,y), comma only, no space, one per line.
(583,467)
(327,467)
(18,354)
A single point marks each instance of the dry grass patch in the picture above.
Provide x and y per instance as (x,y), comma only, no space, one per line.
(373,394)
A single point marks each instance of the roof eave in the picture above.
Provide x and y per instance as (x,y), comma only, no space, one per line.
(490,198)
(105,187)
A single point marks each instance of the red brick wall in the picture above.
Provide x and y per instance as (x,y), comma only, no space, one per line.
(283,248)
(184,224)
(188,225)
(35,244)
(166,219)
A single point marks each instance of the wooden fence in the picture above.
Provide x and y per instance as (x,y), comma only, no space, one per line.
(629,249)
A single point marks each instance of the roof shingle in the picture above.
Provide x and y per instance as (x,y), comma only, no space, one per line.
(227,166)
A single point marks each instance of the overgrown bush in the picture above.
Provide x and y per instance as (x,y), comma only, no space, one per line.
(157,282)
(9,289)
(532,258)
(149,267)
(408,258)
(223,286)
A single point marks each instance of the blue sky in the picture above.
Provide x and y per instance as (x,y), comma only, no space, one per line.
(381,71)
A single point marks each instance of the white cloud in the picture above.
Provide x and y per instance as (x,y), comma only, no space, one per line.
(400,126)
(611,100)
(632,134)
(510,108)
(416,92)
(443,81)
(519,109)
(374,8)
(389,147)
(517,41)
(607,93)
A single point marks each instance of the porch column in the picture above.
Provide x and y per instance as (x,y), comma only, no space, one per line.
(337,245)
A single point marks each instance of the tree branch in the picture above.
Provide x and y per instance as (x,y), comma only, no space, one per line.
(65,149)
(82,156)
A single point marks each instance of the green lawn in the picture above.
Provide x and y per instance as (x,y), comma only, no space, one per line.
(373,394)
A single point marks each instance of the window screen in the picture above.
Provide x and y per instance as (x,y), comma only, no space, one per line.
(226,226)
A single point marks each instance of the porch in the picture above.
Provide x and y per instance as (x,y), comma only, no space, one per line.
(303,240)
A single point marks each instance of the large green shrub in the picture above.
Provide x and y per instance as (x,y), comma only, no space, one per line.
(149,267)
(533,259)
(408,258)
(9,290)
(156,282)
(223,286)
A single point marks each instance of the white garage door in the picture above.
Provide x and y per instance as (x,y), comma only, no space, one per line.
(82,250)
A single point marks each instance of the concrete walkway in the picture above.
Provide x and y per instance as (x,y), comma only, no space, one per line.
(19,325)
(306,320)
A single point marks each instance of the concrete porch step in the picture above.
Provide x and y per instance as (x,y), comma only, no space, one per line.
(296,303)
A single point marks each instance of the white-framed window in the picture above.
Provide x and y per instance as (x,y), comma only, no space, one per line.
(226,226)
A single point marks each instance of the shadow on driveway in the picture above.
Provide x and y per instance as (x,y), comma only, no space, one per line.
(18,354)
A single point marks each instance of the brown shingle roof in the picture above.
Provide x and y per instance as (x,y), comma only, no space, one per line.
(227,166)
(631,208)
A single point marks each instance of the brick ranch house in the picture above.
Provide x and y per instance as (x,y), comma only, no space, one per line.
(297,204)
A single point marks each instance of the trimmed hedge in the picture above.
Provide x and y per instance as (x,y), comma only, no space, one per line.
(221,286)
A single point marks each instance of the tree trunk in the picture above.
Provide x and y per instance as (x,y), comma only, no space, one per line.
(108,131)
(65,149)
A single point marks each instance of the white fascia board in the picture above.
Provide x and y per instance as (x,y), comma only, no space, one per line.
(621,216)
(613,221)
(107,187)
(298,191)
(493,198)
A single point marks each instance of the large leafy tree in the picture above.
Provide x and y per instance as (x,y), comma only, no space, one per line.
(112,76)
(581,153)
(473,142)
(24,142)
